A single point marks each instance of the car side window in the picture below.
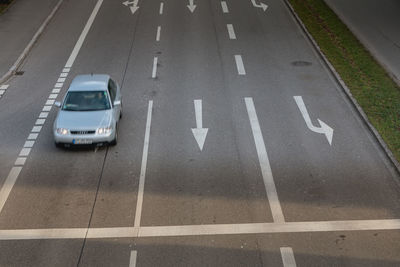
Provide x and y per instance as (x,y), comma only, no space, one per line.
(112,90)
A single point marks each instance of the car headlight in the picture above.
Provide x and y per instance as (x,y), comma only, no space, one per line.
(104,130)
(62,131)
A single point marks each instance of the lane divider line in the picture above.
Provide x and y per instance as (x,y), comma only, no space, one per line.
(139,203)
(161,8)
(14,172)
(231,32)
(3,89)
(239,65)
(265,166)
(288,257)
(132,260)
(224,7)
(154,73)
(158,33)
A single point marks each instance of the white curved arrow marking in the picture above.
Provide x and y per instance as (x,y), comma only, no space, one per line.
(134,5)
(324,129)
(191,6)
(199,132)
(261,5)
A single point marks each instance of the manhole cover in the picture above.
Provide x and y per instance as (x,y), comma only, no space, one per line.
(301,63)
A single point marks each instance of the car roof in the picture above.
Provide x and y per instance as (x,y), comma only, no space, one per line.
(90,82)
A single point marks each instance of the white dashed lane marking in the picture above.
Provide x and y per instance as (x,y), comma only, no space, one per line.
(240,65)
(288,257)
(158,33)
(224,7)
(154,73)
(161,8)
(231,31)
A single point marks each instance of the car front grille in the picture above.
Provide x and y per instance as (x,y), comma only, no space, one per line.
(81,132)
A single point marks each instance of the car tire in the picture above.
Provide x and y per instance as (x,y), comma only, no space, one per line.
(114,142)
(58,145)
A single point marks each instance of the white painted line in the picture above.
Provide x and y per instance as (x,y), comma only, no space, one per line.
(32,136)
(161,8)
(50,102)
(139,203)
(40,121)
(61,80)
(265,166)
(29,143)
(197,230)
(36,129)
(8,185)
(2,92)
(63,74)
(43,115)
(132,261)
(46,108)
(231,32)
(224,7)
(24,152)
(56,90)
(4,86)
(20,161)
(58,85)
(154,73)
(82,37)
(158,33)
(239,65)
(66,70)
(53,96)
(288,257)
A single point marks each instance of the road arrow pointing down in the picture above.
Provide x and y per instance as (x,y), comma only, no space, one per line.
(191,6)
(261,5)
(324,129)
(199,132)
(134,9)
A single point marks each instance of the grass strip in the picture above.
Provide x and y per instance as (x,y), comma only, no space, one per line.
(376,93)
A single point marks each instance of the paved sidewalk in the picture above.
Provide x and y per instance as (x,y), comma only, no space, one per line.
(17,27)
(376,23)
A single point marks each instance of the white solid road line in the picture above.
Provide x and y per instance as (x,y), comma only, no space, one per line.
(161,8)
(8,185)
(239,65)
(224,7)
(265,166)
(201,230)
(154,73)
(82,37)
(132,260)
(158,33)
(139,203)
(231,32)
(288,257)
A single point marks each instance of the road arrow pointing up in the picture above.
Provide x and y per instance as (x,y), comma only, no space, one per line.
(199,132)
(261,5)
(191,6)
(324,129)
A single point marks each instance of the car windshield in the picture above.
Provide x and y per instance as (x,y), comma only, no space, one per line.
(86,101)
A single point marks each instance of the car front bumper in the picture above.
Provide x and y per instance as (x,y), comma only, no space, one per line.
(86,139)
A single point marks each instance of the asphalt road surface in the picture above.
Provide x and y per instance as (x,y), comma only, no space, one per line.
(236,147)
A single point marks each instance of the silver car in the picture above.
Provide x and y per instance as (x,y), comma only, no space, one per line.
(89,112)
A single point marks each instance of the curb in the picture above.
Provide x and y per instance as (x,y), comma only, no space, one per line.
(30,45)
(346,90)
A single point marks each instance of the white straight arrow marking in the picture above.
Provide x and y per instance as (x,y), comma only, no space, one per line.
(199,132)
(191,6)
(324,129)
(261,5)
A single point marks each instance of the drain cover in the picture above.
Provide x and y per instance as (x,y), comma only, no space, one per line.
(301,63)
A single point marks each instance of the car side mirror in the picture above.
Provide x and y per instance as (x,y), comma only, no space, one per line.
(117,102)
(57,104)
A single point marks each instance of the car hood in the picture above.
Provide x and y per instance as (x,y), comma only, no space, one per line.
(83,120)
